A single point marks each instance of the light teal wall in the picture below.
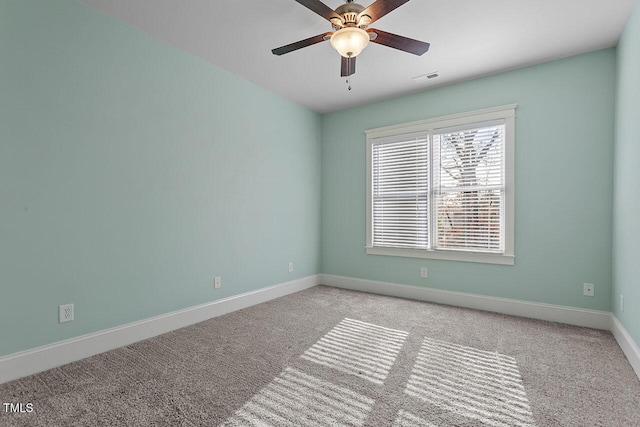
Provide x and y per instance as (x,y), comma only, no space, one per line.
(564,156)
(626,207)
(131,174)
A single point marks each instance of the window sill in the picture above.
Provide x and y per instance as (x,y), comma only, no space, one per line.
(444,255)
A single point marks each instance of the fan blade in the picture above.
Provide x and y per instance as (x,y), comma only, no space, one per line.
(380,8)
(300,44)
(399,42)
(347,66)
(320,8)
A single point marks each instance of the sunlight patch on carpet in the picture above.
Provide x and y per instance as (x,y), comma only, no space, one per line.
(295,398)
(358,348)
(407,419)
(481,385)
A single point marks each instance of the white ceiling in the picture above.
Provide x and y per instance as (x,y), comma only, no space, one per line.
(469,38)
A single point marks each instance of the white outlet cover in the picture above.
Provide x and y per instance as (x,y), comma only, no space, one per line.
(423,272)
(217,282)
(588,289)
(65,313)
(290,267)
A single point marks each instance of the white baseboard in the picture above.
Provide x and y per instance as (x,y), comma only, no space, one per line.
(628,345)
(555,313)
(39,359)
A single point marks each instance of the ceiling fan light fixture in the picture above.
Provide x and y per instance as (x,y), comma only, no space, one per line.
(350,41)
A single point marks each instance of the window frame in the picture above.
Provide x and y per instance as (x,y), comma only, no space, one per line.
(506,113)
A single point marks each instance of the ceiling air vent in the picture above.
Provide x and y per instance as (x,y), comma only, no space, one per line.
(425,77)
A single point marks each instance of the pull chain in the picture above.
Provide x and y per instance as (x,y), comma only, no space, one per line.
(349,73)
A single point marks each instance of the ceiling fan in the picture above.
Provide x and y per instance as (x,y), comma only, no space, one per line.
(351,35)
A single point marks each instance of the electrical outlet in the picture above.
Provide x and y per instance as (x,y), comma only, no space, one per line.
(65,313)
(217,282)
(290,267)
(621,302)
(423,272)
(588,289)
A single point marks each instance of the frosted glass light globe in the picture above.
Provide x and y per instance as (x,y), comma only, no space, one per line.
(349,41)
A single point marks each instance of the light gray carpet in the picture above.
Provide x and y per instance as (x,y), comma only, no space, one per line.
(327,356)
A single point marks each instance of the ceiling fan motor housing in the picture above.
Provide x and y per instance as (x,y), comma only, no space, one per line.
(349,13)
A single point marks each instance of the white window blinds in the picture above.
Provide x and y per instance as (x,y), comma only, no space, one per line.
(469,187)
(400,192)
(442,189)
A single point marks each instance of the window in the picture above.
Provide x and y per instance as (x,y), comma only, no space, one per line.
(443,188)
